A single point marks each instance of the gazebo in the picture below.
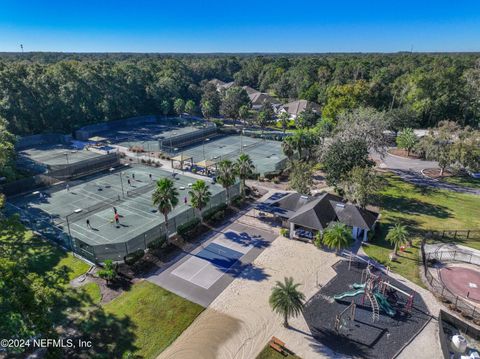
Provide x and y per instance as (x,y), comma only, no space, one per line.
(182,159)
(206,165)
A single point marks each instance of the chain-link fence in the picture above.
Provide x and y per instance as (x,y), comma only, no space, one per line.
(182,140)
(118,251)
(57,173)
(43,225)
(452,300)
(85,167)
(27,184)
(59,232)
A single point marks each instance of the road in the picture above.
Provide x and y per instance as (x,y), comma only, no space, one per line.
(409,170)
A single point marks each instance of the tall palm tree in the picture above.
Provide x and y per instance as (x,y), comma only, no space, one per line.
(200,196)
(397,235)
(244,168)
(337,236)
(226,174)
(165,198)
(284,118)
(286,299)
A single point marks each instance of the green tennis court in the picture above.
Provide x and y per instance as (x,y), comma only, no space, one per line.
(129,189)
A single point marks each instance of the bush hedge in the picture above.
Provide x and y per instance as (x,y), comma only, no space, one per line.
(157,243)
(208,214)
(134,257)
(187,226)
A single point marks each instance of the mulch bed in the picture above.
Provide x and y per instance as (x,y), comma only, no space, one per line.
(403,153)
(435,173)
(362,337)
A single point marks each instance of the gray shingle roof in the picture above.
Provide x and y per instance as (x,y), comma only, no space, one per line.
(318,212)
(297,107)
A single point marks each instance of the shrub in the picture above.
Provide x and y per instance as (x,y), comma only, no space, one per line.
(284,232)
(134,257)
(187,226)
(157,243)
(237,201)
(217,216)
(208,214)
(318,241)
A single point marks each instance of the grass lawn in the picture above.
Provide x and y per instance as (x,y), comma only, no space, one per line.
(420,209)
(158,316)
(463,181)
(269,353)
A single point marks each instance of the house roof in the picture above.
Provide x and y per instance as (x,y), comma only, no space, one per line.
(250,90)
(259,98)
(297,107)
(318,212)
(227,85)
(216,82)
(354,216)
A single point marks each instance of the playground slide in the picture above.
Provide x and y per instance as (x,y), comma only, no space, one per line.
(353,293)
(384,304)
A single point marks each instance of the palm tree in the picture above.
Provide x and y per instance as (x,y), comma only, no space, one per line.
(286,299)
(226,173)
(165,198)
(244,168)
(284,119)
(397,235)
(337,236)
(199,196)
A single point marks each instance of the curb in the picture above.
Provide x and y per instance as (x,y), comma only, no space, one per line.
(427,176)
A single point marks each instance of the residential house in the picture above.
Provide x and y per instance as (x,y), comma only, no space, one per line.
(220,85)
(295,108)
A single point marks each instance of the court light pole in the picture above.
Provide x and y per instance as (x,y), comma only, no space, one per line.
(206,139)
(121,179)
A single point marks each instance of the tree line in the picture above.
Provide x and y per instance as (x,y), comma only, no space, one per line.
(60,92)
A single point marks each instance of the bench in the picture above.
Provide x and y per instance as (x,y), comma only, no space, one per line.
(277,348)
(278,341)
(277,345)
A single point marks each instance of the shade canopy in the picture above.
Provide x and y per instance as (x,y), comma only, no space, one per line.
(97,139)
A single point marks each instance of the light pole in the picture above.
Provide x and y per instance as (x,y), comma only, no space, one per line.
(206,139)
(121,179)
(66,156)
(241,141)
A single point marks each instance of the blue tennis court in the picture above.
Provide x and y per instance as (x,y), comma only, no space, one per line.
(208,265)
(219,256)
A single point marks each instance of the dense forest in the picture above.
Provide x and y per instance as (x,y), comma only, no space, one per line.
(45,92)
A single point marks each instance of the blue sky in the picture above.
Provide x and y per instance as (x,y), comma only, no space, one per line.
(239,26)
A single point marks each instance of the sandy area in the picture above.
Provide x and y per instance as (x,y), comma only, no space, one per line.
(239,323)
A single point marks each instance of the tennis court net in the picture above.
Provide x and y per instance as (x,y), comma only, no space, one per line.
(85,212)
(141,190)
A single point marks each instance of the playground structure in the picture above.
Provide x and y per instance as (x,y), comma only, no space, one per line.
(346,325)
(381,294)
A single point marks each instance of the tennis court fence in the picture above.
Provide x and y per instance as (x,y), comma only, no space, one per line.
(118,251)
(169,144)
(41,223)
(85,167)
(55,174)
